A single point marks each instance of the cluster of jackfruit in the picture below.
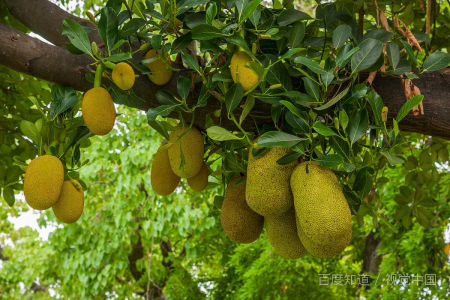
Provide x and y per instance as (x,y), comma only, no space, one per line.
(44,187)
(181,157)
(302,205)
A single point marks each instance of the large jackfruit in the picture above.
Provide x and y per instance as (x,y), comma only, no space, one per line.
(268,191)
(193,148)
(69,207)
(324,221)
(199,182)
(283,236)
(44,178)
(246,76)
(99,112)
(160,73)
(239,221)
(164,180)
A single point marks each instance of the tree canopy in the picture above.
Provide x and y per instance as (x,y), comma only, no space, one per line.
(359,87)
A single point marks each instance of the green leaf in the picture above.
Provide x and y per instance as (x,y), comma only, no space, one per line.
(238,40)
(296,34)
(160,128)
(367,55)
(206,32)
(290,53)
(379,34)
(248,106)
(64,98)
(403,67)
(162,110)
(334,100)
(289,158)
(108,27)
(323,129)
(76,35)
(376,103)
(8,195)
(190,61)
(340,146)
(393,160)
(133,26)
(166,98)
(219,134)
(183,87)
(290,16)
(410,52)
(181,43)
(248,10)
(393,53)
(341,35)
(278,139)
(256,67)
(211,13)
(29,130)
(358,125)
(156,41)
(330,160)
(312,65)
(234,96)
(407,106)
(363,182)
(312,88)
(343,119)
(76,136)
(119,57)
(436,61)
(343,59)
(203,97)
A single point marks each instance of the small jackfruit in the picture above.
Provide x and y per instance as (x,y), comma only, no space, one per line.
(99,112)
(239,221)
(193,149)
(268,190)
(160,73)
(123,76)
(282,233)
(324,221)
(246,76)
(69,207)
(164,180)
(199,182)
(44,178)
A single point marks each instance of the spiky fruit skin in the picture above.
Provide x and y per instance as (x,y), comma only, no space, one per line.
(246,76)
(199,182)
(44,178)
(123,76)
(239,221)
(69,207)
(164,180)
(193,149)
(324,218)
(268,190)
(99,112)
(283,236)
(160,73)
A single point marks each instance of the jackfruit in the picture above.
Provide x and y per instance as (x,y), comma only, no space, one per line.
(239,221)
(324,221)
(268,190)
(199,182)
(69,207)
(193,149)
(123,76)
(282,233)
(246,76)
(163,179)
(160,73)
(99,112)
(44,178)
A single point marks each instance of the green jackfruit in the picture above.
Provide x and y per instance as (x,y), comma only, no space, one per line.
(239,221)
(268,191)
(283,236)
(164,180)
(324,221)
(193,149)
(70,204)
(44,178)
(199,182)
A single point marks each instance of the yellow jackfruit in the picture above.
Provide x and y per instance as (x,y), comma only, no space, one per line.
(193,149)
(69,207)
(283,236)
(268,190)
(324,221)
(239,221)
(99,112)
(246,76)
(44,178)
(164,181)
(160,73)
(123,76)
(199,182)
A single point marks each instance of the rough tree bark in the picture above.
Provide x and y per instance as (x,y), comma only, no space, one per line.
(29,55)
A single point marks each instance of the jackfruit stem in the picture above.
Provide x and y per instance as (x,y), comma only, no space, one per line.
(98,76)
